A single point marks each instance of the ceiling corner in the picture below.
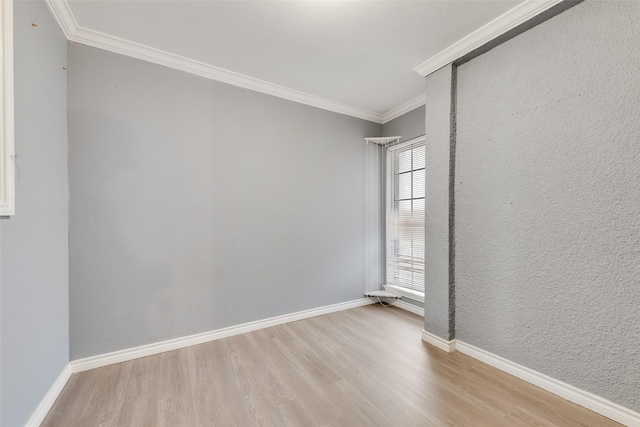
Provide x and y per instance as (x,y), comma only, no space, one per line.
(64,17)
(411,105)
(500,25)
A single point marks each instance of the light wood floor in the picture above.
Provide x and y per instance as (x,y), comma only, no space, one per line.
(361,367)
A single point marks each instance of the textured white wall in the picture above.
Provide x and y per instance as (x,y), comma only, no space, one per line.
(548,200)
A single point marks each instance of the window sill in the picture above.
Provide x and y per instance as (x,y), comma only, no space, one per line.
(406,293)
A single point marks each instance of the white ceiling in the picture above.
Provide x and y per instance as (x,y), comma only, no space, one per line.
(358,53)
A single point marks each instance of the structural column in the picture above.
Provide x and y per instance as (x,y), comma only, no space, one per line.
(439,300)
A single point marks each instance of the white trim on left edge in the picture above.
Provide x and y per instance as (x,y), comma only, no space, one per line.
(438,342)
(176,343)
(7,145)
(49,399)
(63,15)
(503,23)
(573,394)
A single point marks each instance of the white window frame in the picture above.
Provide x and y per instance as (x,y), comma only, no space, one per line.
(7,154)
(405,292)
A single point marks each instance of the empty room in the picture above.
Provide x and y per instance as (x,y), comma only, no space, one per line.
(320,213)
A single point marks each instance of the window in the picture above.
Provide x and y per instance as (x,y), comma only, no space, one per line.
(405,218)
(7,158)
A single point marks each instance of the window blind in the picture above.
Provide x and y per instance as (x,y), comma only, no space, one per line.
(406,216)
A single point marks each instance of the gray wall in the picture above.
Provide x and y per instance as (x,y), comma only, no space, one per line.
(409,125)
(437,138)
(197,205)
(548,200)
(34,264)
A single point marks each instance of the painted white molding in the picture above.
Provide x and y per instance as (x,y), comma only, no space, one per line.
(62,13)
(405,292)
(573,394)
(409,307)
(438,342)
(503,23)
(48,400)
(63,16)
(411,105)
(7,147)
(106,359)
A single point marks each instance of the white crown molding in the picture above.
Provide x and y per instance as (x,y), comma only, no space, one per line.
(583,398)
(48,400)
(63,16)
(62,13)
(503,23)
(409,307)
(106,359)
(438,342)
(411,105)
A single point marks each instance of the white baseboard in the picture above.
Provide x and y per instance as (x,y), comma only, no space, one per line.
(573,394)
(48,400)
(438,342)
(409,307)
(106,359)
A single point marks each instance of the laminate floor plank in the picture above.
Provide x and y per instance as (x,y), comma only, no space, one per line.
(141,398)
(361,367)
